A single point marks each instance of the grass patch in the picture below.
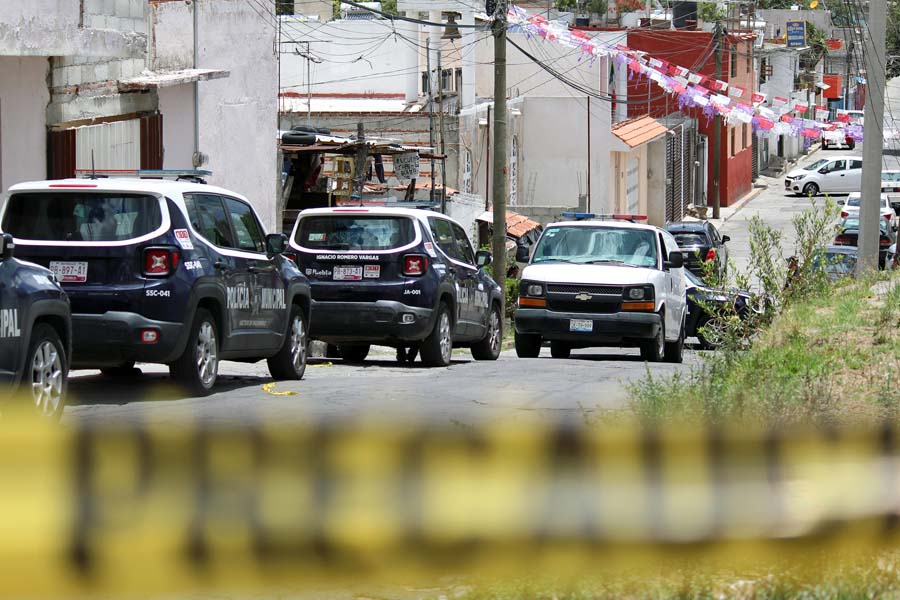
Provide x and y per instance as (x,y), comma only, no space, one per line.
(833,358)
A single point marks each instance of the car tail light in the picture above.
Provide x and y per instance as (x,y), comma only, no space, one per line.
(291,257)
(711,254)
(160,261)
(842,240)
(844,214)
(884,242)
(887,217)
(415,265)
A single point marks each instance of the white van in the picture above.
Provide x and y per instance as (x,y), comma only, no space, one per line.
(841,174)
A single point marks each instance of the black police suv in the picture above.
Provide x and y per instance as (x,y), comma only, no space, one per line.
(400,277)
(35,333)
(701,242)
(159,271)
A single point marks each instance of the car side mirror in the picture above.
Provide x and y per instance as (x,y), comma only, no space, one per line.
(726,238)
(482,258)
(7,246)
(523,253)
(676,261)
(824,171)
(276,243)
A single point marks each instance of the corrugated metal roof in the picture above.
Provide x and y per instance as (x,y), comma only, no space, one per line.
(516,225)
(348,105)
(641,130)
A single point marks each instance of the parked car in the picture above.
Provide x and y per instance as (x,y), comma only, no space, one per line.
(700,242)
(837,262)
(848,235)
(172,272)
(35,333)
(405,278)
(837,174)
(850,208)
(707,325)
(837,138)
(603,282)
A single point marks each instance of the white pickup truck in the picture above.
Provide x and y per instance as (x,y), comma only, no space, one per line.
(602,282)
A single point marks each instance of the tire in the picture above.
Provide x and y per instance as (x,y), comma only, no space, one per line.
(810,189)
(297,138)
(126,369)
(437,348)
(354,353)
(197,368)
(290,362)
(528,345)
(652,350)
(824,145)
(852,145)
(46,372)
(488,348)
(709,341)
(560,350)
(674,351)
(311,129)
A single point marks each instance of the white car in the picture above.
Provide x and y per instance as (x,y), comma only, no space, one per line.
(836,174)
(606,282)
(837,139)
(850,207)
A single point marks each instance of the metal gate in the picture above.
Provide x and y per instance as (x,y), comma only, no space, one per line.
(679,172)
(755,147)
(670,189)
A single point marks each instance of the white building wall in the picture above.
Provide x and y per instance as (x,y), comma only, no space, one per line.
(177,107)
(23,133)
(358,57)
(239,114)
(785,66)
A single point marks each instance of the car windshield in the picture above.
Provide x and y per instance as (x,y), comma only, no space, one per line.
(890,175)
(815,165)
(354,232)
(584,244)
(689,239)
(693,279)
(835,263)
(93,217)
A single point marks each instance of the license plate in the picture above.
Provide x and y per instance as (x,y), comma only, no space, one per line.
(348,273)
(581,325)
(69,272)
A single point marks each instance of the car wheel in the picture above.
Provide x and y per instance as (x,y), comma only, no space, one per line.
(560,350)
(290,362)
(852,145)
(710,332)
(437,348)
(126,369)
(652,350)
(198,366)
(674,351)
(354,353)
(488,348)
(528,345)
(810,189)
(46,371)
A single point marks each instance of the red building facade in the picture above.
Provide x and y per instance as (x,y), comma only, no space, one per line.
(695,50)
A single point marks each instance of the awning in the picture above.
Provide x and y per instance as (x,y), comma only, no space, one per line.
(516,225)
(169,78)
(636,132)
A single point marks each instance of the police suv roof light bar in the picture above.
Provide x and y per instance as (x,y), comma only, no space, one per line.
(603,217)
(195,175)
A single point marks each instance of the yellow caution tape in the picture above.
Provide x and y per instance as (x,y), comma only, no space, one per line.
(322,364)
(156,509)
(269,388)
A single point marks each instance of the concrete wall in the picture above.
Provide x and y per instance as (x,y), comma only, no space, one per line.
(776,19)
(323,9)
(785,65)
(358,57)
(66,27)
(23,137)
(177,107)
(83,86)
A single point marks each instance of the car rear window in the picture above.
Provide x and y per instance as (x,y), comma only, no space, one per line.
(690,239)
(354,232)
(79,217)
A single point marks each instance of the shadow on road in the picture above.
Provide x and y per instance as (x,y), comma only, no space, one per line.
(144,387)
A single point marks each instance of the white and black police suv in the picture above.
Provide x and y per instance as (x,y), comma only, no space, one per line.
(35,333)
(400,277)
(603,281)
(174,272)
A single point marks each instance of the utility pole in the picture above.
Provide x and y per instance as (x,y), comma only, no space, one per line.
(430,113)
(359,166)
(847,80)
(869,206)
(500,147)
(441,130)
(717,127)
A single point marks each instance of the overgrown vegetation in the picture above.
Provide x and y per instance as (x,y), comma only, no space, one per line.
(816,350)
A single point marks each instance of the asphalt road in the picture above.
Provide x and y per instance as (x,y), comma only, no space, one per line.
(591,380)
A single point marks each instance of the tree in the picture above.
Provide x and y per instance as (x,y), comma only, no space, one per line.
(582,6)
(710,12)
(892,39)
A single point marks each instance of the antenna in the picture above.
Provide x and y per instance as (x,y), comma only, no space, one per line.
(93,168)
